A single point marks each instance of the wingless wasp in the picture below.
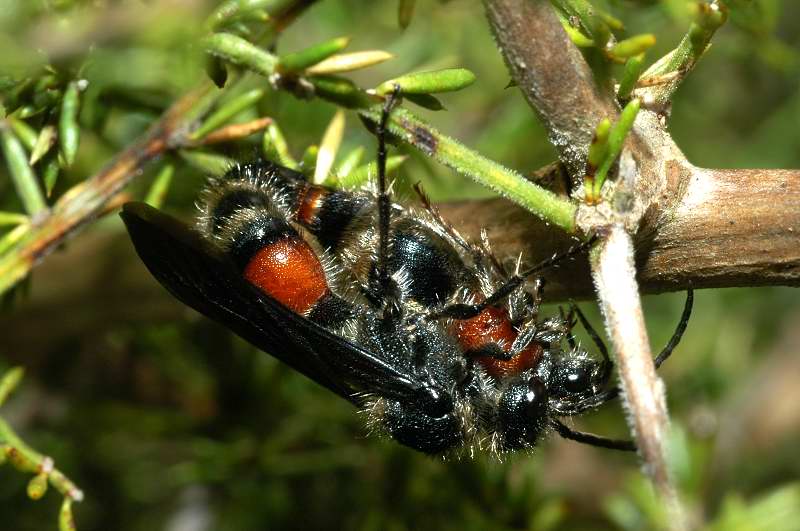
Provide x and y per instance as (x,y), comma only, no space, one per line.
(387,306)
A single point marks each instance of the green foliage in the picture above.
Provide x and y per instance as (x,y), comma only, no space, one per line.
(160,415)
(15,452)
(605,148)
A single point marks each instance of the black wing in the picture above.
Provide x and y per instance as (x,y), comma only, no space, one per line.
(201,276)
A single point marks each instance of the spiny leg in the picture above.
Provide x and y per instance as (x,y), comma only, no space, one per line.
(384,201)
(591,439)
(536,298)
(570,320)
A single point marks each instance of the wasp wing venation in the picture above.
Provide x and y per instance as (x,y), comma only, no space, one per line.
(199,275)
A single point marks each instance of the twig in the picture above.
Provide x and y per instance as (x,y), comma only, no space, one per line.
(86,200)
(23,456)
(545,204)
(26,459)
(642,390)
(750,233)
(552,74)
(674,67)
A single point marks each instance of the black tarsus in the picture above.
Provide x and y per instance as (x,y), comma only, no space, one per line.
(591,439)
(678,334)
(384,201)
(467,311)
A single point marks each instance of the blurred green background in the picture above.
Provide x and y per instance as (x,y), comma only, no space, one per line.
(168,421)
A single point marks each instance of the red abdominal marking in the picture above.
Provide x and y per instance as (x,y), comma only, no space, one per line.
(311,200)
(289,272)
(493,325)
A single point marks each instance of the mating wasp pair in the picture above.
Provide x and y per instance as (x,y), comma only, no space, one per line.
(387,306)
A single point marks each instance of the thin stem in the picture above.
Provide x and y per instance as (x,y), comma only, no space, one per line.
(22,456)
(552,75)
(545,204)
(643,391)
(26,457)
(677,64)
(84,201)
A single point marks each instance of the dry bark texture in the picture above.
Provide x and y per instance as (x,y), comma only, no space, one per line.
(729,228)
(569,115)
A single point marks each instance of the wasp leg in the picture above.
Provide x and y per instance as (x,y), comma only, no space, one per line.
(608,365)
(678,334)
(467,311)
(537,294)
(384,200)
(591,439)
(571,322)
(523,340)
(590,403)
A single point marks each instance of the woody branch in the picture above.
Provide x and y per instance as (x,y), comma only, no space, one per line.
(674,213)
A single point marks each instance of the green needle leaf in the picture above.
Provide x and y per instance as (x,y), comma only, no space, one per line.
(295,62)
(160,187)
(636,45)
(241,52)
(447,80)
(21,172)
(68,129)
(227,111)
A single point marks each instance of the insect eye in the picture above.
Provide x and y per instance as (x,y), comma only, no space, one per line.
(577,380)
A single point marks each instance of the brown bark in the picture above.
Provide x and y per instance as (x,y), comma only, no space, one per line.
(730,228)
(663,223)
(552,75)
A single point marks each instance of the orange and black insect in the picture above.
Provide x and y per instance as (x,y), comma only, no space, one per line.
(385,305)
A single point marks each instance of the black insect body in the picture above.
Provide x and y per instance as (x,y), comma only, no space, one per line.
(386,306)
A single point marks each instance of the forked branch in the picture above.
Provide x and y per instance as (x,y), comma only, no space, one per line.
(551,73)
(663,222)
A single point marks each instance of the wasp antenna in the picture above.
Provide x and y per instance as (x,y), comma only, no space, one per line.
(598,341)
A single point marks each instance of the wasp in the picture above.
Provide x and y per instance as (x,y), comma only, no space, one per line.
(434,339)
